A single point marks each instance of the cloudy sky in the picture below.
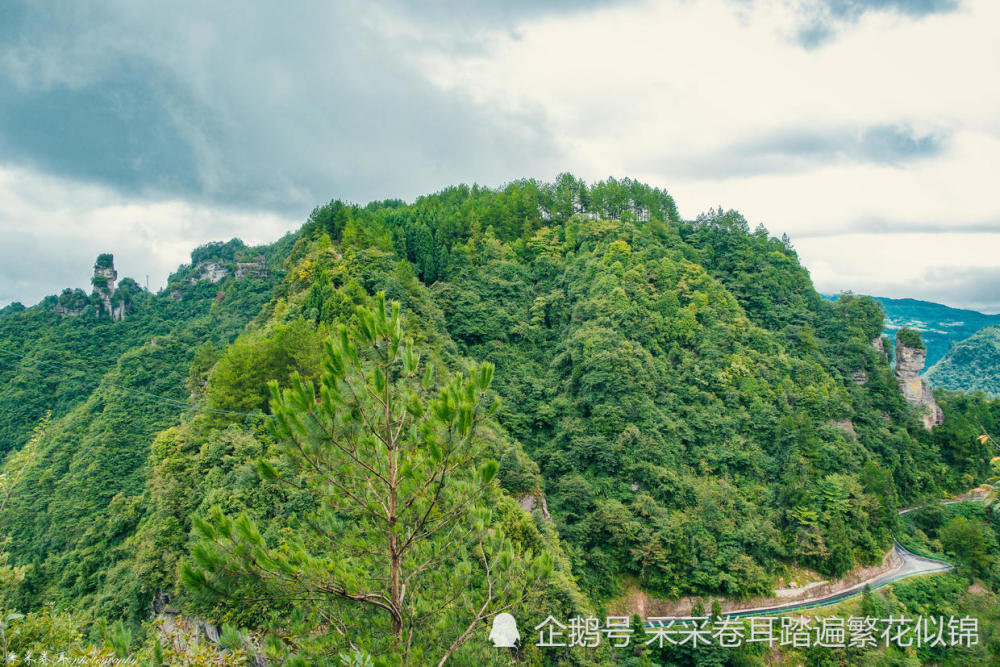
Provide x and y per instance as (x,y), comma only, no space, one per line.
(867,130)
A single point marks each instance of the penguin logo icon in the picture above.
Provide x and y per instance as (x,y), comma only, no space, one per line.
(504,633)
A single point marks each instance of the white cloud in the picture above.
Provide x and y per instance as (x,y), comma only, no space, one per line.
(676,92)
(52,229)
(891,128)
(963,272)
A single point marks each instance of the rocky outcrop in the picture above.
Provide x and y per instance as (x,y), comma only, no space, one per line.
(254,269)
(529,502)
(72,303)
(211,271)
(910,361)
(113,302)
(184,634)
(103,282)
(846,426)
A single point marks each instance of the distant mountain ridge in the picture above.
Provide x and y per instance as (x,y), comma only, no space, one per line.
(970,365)
(940,325)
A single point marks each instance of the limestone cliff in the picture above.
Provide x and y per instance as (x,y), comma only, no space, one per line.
(212,271)
(255,268)
(103,282)
(910,358)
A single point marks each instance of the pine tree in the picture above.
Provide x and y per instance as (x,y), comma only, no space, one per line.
(400,556)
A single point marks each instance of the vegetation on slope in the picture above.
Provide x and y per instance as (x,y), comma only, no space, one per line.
(676,391)
(970,365)
(939,326)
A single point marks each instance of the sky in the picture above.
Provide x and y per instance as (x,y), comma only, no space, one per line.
(866,130)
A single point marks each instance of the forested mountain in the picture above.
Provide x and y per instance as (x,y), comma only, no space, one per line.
(939,325)
(972,364)
(678,406)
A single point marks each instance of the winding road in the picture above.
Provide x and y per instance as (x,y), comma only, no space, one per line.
(910,565)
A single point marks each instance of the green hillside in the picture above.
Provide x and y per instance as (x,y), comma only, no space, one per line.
(674,393)
(939,325)
(972,364)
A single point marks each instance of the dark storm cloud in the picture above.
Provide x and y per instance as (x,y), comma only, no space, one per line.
(796,149)
(823,18)
(114,131)
(276,108)
(231,107)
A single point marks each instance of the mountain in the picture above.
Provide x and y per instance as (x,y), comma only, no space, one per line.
(679,411)
(939,325)
(972,364)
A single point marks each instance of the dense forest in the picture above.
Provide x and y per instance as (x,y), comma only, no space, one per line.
(972,364)
(941,326)
(574,393)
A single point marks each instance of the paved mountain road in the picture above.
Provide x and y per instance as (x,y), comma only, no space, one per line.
(911,565)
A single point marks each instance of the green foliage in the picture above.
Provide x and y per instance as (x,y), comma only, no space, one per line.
(517,473)
(241,375)
(910,338)
(965,540)
(940,326)
(967,417)
(43,631)
(399,502)
(695,417)
(964,533)
(946,595)
(111,387)
(970,365)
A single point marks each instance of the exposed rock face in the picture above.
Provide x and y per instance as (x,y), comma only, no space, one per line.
(846,426)
(72,303)
(211,271)
(108,275)
(530,501)
(878,346)
(909,362)
(860,377)
(103,281)
(254,269)
(104,284)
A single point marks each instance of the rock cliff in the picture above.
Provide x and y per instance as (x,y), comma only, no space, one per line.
(212,271)
(251,269)
(910,358)
(103,282)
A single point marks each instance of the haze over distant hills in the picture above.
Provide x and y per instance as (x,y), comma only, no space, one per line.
(940,325)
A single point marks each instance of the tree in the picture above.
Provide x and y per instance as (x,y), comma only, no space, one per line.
(965,539)
(11,576)
(910,338)
(400,545)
